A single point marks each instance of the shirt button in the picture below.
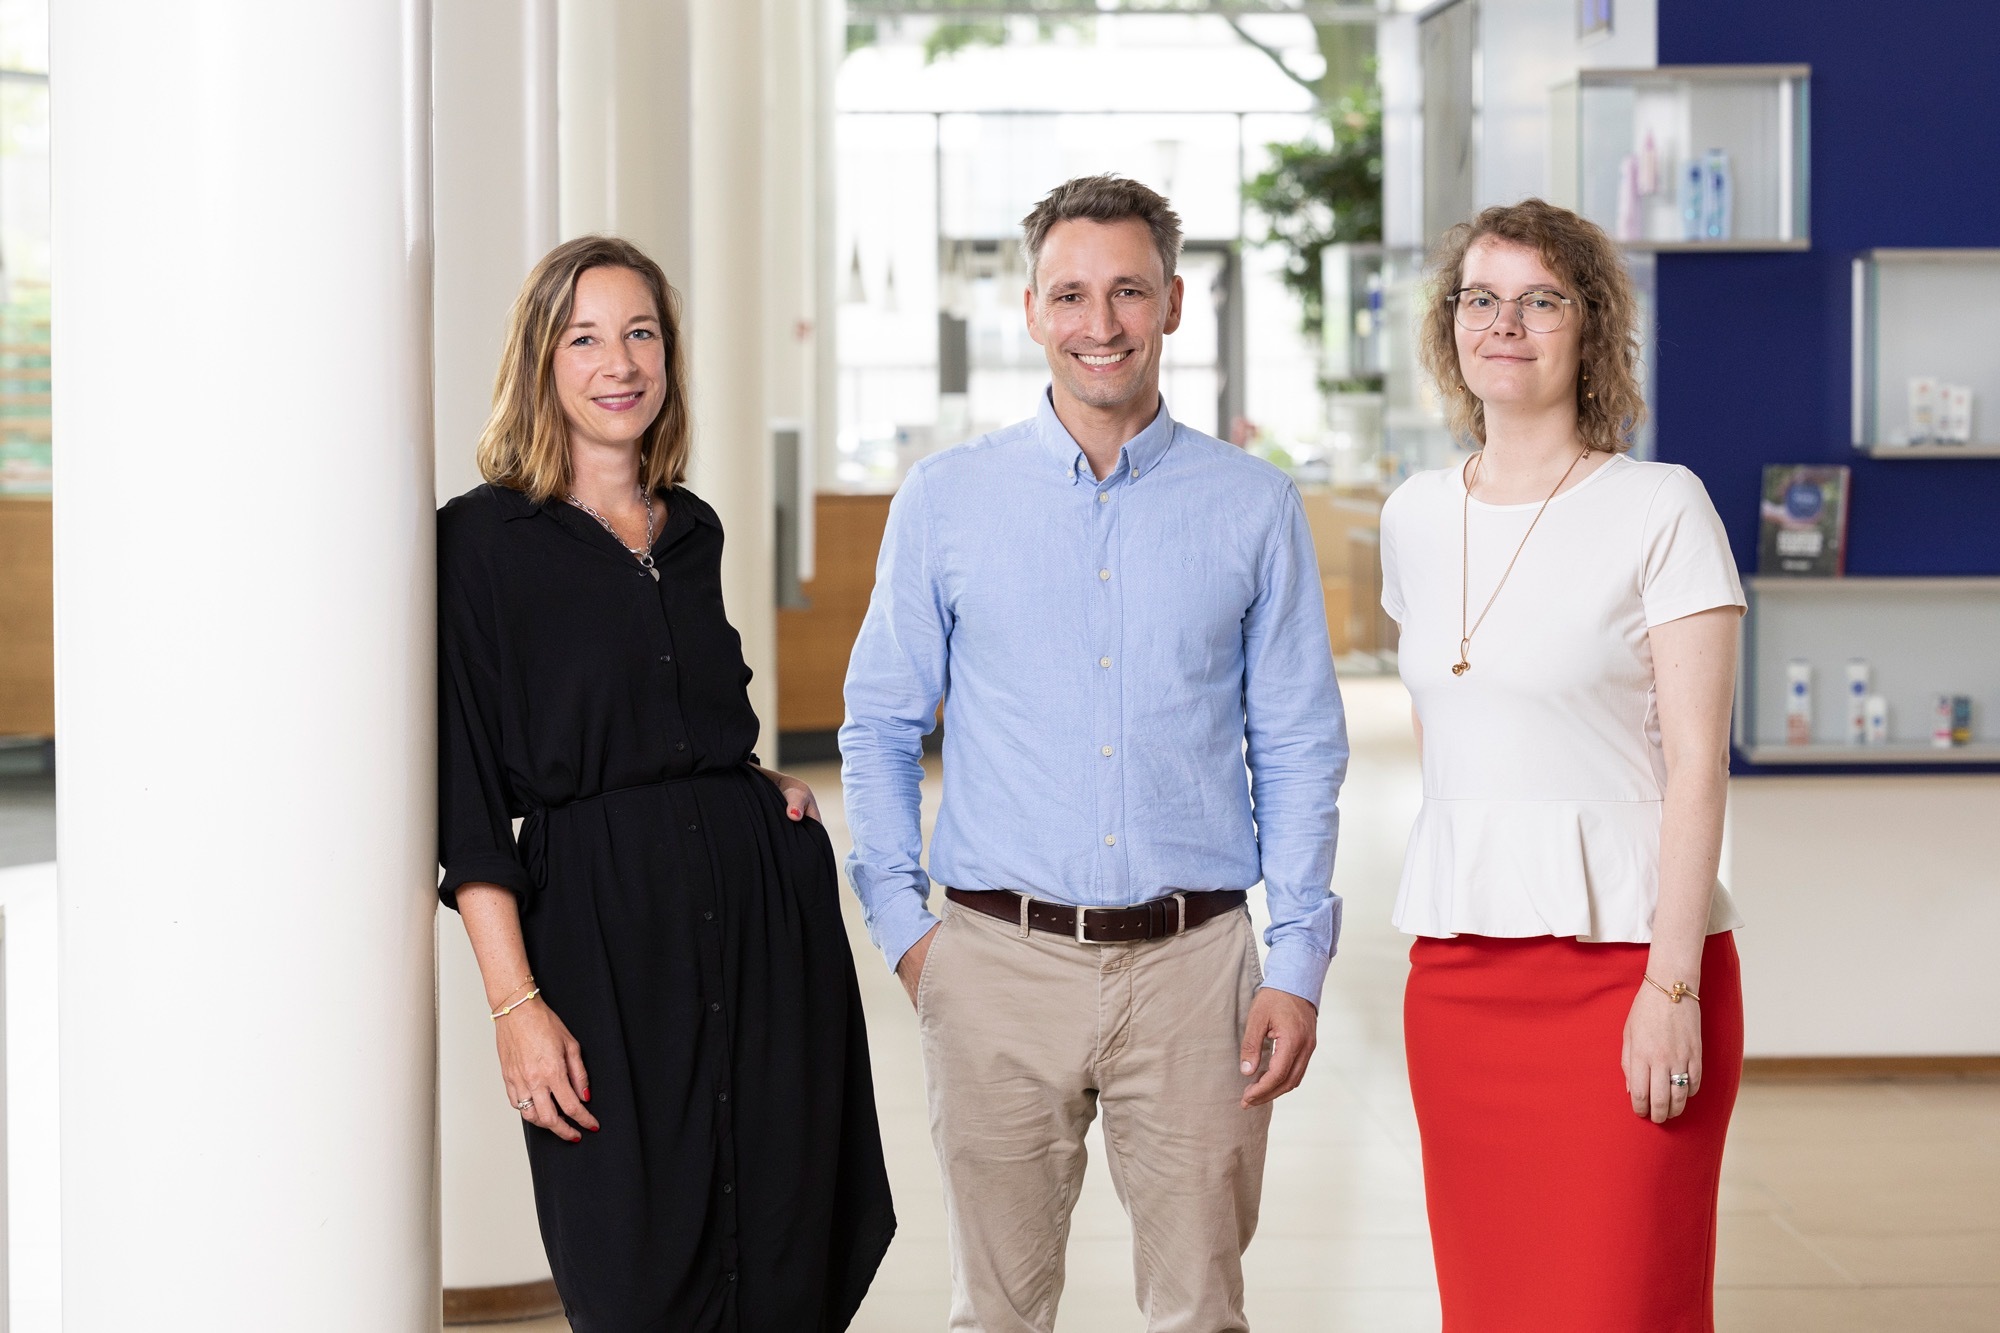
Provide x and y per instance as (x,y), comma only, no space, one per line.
(666,657)
(1107,752)
(1111,840)
(728,1188)
(1103,575)
(715,1006)
(680,745)
(693,827)
(1104,662)
(708,916)
(1104,497)
(722,1096)
(1135,472)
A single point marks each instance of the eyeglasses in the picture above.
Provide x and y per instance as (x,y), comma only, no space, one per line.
(1541,311)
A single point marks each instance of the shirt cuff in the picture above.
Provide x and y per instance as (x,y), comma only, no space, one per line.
(501,870)
(900,923)
(1297,968)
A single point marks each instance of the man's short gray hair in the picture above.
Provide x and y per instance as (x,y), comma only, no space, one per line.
(1105,198)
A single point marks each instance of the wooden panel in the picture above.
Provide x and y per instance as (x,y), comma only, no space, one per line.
(1339,594)
(1825,1068)
(813,644)
(1333,516)
(495,1305)
(27,618)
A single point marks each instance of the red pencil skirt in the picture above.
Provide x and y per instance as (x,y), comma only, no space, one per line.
(1553,1208)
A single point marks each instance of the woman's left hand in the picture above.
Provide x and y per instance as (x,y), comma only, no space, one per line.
(1661,1039)
(799,801)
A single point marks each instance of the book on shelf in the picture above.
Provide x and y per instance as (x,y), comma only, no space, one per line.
(1803,528)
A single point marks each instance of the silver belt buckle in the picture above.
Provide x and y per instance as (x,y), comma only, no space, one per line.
(1081,912)
(1180,901)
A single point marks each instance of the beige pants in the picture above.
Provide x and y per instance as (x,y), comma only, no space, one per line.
(1023,1040)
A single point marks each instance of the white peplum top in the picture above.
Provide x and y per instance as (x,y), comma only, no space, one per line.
(1542,765)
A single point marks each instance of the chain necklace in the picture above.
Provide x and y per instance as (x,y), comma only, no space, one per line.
(1464,663)
(644,555)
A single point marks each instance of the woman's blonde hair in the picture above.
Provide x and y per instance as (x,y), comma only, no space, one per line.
(525,445)
(1609,404)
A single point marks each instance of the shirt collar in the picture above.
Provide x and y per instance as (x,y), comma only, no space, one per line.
(1138,456)
(515,504)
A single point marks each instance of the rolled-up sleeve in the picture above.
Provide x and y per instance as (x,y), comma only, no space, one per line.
(895,679)
(1297,752)
(475,825)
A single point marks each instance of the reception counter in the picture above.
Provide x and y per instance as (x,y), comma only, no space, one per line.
(814,641)
(27,618)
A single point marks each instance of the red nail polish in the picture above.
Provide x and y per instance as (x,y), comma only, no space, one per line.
(586,1094)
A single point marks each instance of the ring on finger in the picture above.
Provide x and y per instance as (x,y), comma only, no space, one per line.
(1680,1080)
(525,1105)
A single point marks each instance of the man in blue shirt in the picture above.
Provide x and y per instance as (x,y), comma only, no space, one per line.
(1123,619)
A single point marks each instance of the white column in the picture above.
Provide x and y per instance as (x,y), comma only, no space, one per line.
(830,48)
(795,240)
(622,88)
(245,683)
(732,467)
(494,200)
(662,110)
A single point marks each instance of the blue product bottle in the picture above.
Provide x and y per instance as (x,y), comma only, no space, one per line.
(1716,195)
(1693,194)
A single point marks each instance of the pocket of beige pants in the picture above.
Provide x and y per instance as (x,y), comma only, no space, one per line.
(1249,929)
(929,976)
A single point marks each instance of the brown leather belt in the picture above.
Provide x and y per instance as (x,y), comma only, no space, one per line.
(1155,920)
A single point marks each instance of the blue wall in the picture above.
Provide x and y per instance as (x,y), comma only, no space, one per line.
(1755,349)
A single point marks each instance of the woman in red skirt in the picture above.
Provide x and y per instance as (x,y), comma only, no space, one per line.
(1573,1018)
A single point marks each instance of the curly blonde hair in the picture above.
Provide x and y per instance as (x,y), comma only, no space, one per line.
(1609,403)
(525,445)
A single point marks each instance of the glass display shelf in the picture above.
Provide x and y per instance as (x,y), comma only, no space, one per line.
(1920,637)
(1687,157)
(1926,373)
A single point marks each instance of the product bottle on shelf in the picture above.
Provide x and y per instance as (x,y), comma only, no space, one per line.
(1692,193)
(1798,702)
(1857,701)
(1716,192)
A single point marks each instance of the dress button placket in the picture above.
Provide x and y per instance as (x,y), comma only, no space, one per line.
(716,1040)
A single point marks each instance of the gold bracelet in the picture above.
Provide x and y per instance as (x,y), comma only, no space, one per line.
(1679,991)
(528,980)
(499,1014)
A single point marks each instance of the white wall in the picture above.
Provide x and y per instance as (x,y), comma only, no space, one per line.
(1526,47)
(1870,906)
(33,1123)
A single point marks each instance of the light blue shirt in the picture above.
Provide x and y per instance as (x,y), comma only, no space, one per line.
(1109,653)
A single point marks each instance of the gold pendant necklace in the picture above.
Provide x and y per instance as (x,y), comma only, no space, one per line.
(1464,663)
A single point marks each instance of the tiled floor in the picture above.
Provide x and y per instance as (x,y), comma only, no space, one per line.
(1847,1207)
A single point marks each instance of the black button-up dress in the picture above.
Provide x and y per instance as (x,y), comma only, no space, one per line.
(686,930)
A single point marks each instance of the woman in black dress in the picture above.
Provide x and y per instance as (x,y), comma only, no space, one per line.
(662,946)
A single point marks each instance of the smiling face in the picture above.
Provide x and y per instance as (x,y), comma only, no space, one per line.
(610,362)
(1508,367)
(1101,308)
